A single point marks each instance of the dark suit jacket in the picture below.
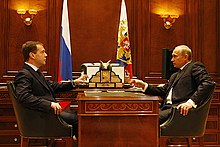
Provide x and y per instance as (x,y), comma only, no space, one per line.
(193,82)
(34,92)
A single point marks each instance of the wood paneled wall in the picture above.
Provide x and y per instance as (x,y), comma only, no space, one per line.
(94,26)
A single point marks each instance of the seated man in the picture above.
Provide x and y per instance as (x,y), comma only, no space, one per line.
(187,88)
(36,92)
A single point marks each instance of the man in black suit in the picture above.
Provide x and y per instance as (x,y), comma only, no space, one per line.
(187,88)
(36,92)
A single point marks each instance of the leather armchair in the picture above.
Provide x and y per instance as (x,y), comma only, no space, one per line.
(38,125)
(189,126)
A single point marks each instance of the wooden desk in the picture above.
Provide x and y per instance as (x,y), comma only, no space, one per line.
(122,119)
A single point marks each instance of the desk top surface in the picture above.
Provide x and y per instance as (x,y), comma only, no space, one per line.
(115,95)
(108,89)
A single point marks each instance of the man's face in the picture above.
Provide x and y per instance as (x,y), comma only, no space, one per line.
(178,59)
(40,56)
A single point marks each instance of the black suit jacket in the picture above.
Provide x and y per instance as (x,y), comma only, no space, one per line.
(35,92)
(193,82)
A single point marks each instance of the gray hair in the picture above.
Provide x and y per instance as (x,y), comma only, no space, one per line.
(185,50)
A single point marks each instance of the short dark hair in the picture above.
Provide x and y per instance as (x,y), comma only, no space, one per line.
(29,46)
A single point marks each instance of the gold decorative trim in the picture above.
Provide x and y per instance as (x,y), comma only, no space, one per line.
(118,107)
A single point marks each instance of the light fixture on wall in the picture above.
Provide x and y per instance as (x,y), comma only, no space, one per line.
(27,15)
(168,20)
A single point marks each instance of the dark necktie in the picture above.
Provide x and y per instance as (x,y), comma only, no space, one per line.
(169,96)
(41,75)
(177,76)
(43,79)
(178,73)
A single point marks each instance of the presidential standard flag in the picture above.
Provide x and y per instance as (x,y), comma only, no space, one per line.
(65,58)
(123,50)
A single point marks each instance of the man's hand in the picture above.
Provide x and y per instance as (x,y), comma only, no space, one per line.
(56,107)
(81,79)
(137,83)
(184,108)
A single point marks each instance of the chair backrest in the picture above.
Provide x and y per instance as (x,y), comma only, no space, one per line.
(35,124)
(191,125)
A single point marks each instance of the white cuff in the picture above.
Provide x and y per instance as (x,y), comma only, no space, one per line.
(192,103)
(73,83)
(145,87)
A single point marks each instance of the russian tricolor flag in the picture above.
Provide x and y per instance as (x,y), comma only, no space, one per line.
(65,58)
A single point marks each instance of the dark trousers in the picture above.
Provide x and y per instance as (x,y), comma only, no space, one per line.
(164,113)
(70,117)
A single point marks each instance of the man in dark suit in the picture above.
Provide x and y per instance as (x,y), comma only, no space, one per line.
(36,92)
(187,88)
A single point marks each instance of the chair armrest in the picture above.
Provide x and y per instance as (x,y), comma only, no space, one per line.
(40,124)
(171,118)
(63,122)
(192,124)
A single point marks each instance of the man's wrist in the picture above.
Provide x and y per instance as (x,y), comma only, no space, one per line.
(73,83)
(145,87)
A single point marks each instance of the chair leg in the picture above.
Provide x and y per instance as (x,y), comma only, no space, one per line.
(69,142)
(51,143)
(189,142)
(201,141)
(24,142)
(163,141)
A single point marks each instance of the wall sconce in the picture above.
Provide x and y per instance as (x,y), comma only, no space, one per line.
(168,20)
(27,15)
